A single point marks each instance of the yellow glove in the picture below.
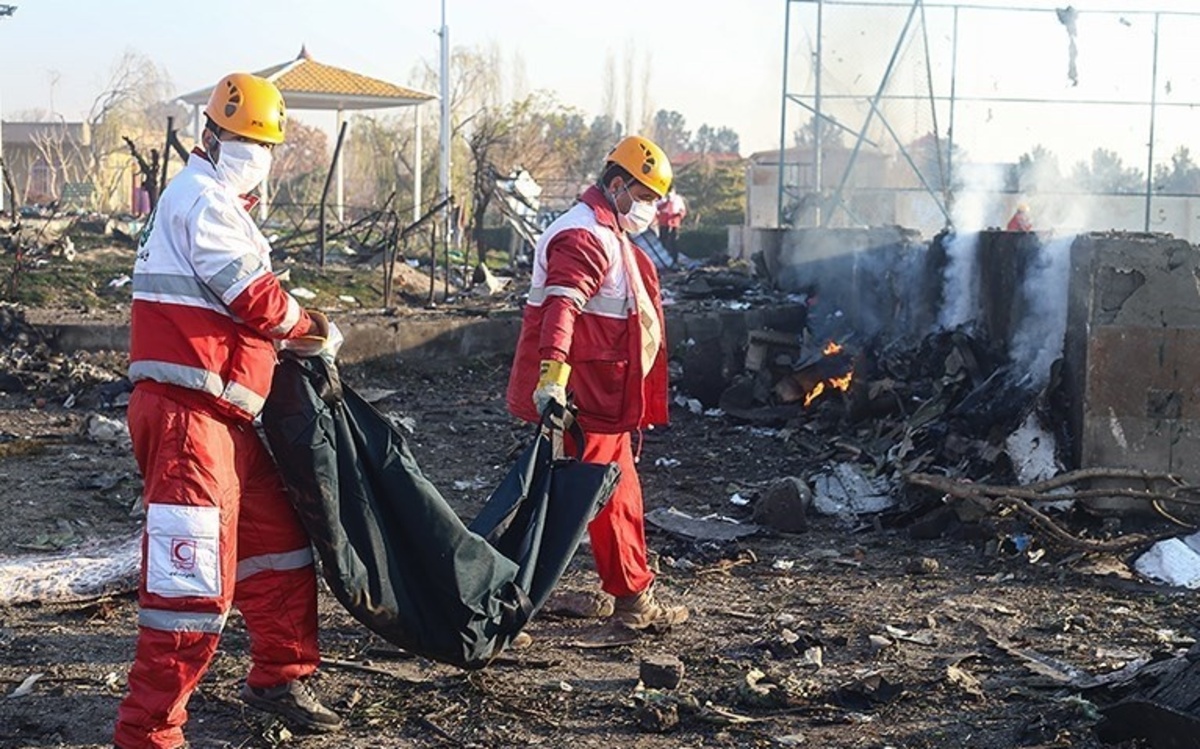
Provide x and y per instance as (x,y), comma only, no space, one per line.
(552,384)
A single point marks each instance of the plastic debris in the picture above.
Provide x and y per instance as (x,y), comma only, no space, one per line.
(846,490)
(1173,561)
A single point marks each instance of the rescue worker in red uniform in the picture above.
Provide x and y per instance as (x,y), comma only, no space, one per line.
(593,324)
(207,316)
(672,209)
(1020,221)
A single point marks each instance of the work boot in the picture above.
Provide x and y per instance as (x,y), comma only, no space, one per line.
(295,702)
(643,612)
(580,604)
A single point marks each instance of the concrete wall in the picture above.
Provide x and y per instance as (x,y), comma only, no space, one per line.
(864,281)
(1133,353)
(711,344)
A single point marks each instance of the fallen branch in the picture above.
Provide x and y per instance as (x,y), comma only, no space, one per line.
(1039,492)
(352,666)
(1017,499)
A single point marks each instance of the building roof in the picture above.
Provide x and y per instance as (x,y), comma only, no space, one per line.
(687,158)
(804,155)
(308,84)
(18,133)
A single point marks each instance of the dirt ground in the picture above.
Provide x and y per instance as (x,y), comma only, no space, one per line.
(838,636)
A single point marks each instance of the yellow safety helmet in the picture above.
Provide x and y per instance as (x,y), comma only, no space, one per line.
(249,106)
(645,161)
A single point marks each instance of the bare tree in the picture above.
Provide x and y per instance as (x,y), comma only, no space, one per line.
(647,119)
(61,153)
(627,81)
(135,102)
(299,164)
(608,104)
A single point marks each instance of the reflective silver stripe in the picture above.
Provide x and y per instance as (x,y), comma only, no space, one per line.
(195,378)
(172,285)
(608,306)
(288,560)
(599,305)
(177,374)
(575,295)
(181,621)
(242,397)
(290,318)
(239,269)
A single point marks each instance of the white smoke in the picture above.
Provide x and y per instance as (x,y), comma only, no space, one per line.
(973,206)
(960,286)
(1038,338)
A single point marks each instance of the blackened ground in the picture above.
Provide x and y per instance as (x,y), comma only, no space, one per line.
(759,608)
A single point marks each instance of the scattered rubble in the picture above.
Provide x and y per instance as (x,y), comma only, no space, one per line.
(784,505)
(29,364)
(708,528)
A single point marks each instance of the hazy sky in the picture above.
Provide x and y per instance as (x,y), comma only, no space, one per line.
(716,61)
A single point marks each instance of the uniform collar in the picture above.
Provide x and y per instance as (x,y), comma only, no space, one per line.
(200,159)
(594,198)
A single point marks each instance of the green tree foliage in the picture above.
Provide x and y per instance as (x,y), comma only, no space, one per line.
(932,155)
(601,137)
(715,191)
(832,136)
(670,132)
(1181,177)
(1037,171)
(715,140)
(1106,173)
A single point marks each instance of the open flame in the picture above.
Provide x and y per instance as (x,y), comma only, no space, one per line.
(840,383)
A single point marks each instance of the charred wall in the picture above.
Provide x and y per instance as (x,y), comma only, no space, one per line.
(861,281)
(1133,353)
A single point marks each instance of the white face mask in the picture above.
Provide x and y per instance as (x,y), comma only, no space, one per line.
(242,166)
(639,216)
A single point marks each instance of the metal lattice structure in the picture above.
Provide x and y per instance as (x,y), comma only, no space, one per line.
(883,77)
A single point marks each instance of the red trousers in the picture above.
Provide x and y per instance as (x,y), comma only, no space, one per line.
(618,532)
(219,532)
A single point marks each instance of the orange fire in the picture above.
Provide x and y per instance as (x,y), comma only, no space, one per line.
(841,383)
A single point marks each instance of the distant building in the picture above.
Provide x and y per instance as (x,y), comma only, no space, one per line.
(871,170)
(44,157)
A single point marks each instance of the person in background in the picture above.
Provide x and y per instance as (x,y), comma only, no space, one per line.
(671,210)
(1020,220)
(207,316)
(593,325)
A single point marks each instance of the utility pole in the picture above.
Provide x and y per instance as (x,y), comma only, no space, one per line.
(444,172)
(5,11)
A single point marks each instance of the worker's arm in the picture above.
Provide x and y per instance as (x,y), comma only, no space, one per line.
(226,259)
(576,263)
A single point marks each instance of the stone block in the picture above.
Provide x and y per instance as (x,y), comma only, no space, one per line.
(661,671)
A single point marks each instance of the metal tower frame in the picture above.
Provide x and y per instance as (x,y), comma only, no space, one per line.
(826,208)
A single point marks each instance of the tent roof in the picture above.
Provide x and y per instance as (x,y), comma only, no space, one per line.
(308,84)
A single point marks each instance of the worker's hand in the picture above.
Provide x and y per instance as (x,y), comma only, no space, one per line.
(320,324)
(323,340)
(552,384)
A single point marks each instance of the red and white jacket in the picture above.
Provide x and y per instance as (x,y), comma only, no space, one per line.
(206,307)
(583,309)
